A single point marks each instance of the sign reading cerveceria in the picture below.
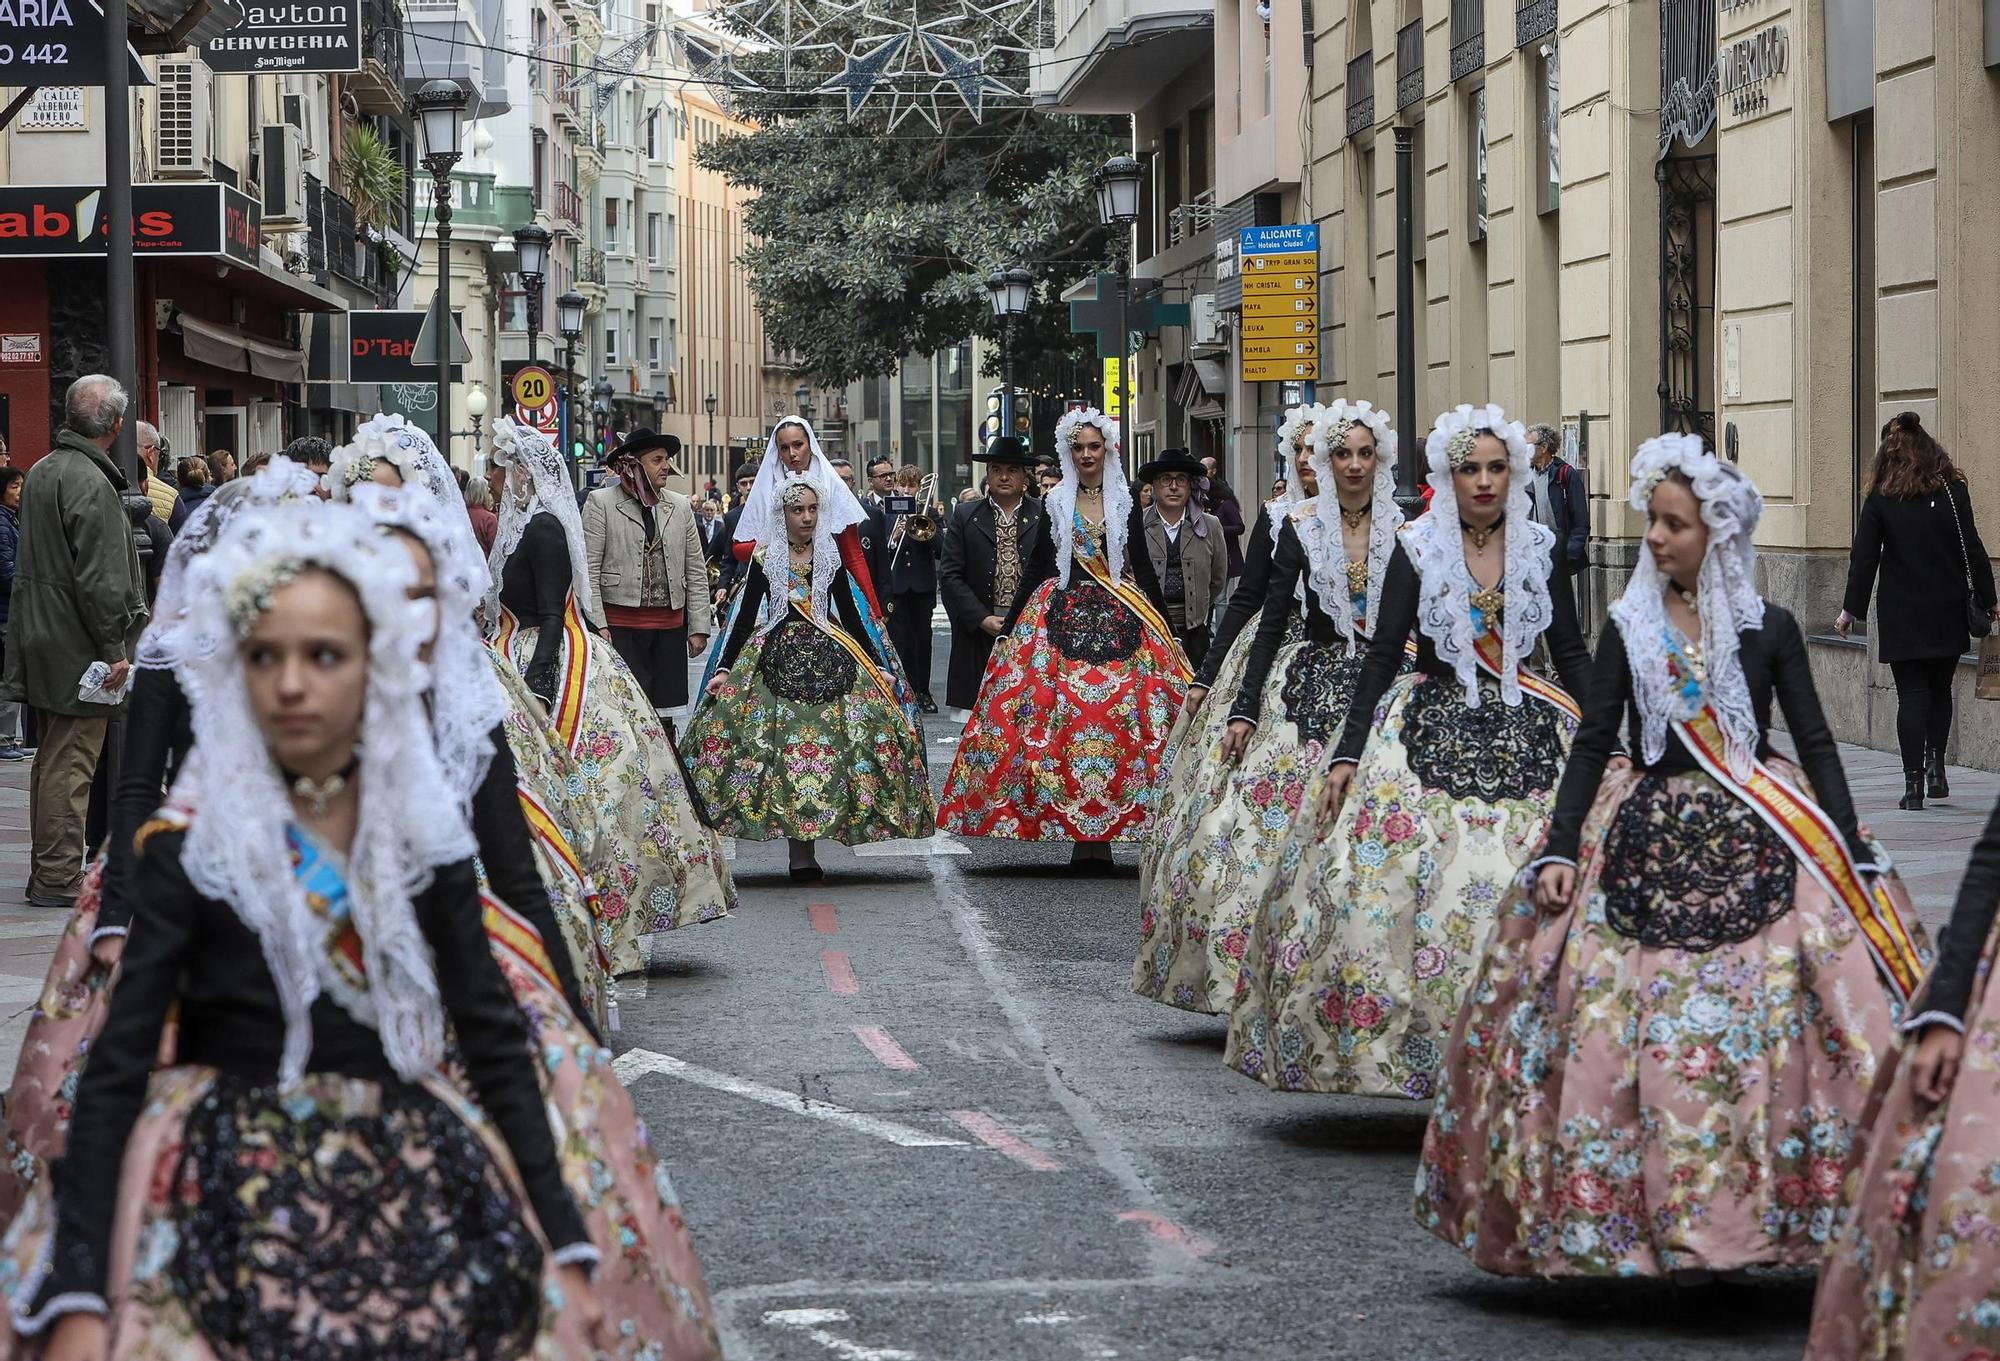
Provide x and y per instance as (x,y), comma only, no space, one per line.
(289,37)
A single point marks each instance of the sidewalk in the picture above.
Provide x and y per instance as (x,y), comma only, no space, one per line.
(1930,850)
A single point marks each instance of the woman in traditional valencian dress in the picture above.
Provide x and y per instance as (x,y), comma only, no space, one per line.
(668,869)
(1266,744)
(312,911)
(1663,1071)
(1071,728)
(803,730)
(1438,790)
(1914,1273)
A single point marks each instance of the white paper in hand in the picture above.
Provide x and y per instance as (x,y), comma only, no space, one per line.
(92,689)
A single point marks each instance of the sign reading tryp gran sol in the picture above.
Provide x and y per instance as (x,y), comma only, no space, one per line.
(291,38)
(167,219)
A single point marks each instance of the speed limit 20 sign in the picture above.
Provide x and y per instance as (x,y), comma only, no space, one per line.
(534,388)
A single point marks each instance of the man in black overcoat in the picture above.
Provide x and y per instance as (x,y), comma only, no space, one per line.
(970,568)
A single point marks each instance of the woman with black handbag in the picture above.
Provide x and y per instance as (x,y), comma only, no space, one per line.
(1937,590)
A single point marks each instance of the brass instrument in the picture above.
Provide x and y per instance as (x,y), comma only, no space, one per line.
(920,524)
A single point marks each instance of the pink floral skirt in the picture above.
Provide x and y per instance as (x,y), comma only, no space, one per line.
(1612,1108)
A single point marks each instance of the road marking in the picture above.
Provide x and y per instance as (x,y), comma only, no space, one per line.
(824,919)
(1053,1318)
(936,844)
(635,1062)
(810,1321)
(883,1046)
(995,1135)
(840,979)
(1173,1235)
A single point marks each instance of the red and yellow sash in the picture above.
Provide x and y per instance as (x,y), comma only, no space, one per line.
(1818,844)
(1489,650)
(1135,600)
(550,837)
(509,931)
(567,715)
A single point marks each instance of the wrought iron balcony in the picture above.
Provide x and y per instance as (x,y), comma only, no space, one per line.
(1468,37)
(378,85)
(1534,20)
(569,208)
(1192,218)
(335,247)
(1410,64)
(590,266)
(1361,94)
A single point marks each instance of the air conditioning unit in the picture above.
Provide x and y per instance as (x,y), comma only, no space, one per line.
(284,157)
(295,111)
(183,133)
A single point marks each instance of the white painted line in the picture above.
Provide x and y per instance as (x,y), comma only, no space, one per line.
(811,1322)
(1054,1318)
(938,843)
(635,1062)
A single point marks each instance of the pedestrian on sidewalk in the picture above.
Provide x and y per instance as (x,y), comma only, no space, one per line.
(11,479)
(1558,499)
(78,598)
(1917,532)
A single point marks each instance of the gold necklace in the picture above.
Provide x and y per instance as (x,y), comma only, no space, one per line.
(318,795)
(1688,598)
(1488,601)
(1357,576)
(1354,519)
(1480,535)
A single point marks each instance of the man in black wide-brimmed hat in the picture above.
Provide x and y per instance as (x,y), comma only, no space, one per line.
(1190,560)
(996,551)
(647,568)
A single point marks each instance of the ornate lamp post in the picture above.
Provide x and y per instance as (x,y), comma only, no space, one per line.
(440,109)
(708,404)
(531,246)
(1118,183)
(569,320)
(1009,289)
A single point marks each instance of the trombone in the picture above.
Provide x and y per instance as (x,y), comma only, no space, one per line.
(920,524)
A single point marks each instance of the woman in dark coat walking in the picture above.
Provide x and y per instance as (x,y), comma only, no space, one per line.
(1916,526)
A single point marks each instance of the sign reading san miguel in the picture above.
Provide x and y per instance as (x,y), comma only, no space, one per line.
(1746,65)
(167,219)
(289,37)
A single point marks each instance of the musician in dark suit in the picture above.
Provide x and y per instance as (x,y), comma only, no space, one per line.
(873,531)
(727,569)
(913,561)
(996,551)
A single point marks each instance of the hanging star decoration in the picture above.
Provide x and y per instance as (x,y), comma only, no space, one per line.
(607,67)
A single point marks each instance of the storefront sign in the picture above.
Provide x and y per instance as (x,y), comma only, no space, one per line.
(68,220)
(21,349)
(56,108)
(1746,67)
(289,38)
(382,348)
(56,42)
(242,226)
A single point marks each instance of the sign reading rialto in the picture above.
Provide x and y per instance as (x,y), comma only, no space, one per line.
(1278,338)
(292,38)
(56,42)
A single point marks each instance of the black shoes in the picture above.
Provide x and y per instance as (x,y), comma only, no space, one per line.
(927,704)
(1913,791)
(1938,786)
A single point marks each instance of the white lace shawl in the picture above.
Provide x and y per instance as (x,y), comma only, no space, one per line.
(466,699)
(390,439)
(1061,500)
(235,849)
(839,508)
(1731,506)
(172,635)
(1328,548)
(1436,547)
(536,482)
(774,548)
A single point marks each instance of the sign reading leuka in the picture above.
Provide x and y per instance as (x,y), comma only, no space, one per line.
(290,38)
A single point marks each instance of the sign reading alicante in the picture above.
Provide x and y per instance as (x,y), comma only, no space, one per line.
(291,38)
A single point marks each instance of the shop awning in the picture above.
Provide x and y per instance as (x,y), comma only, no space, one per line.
(1200,389)
(228,347)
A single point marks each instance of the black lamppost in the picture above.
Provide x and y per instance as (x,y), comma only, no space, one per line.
(708,403)
(569,320)
(1009,289)
(439,108)
(1118,183)
(531,247)
(600,406)
(805,399)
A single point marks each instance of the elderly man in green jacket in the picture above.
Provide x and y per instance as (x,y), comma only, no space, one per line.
(78,599)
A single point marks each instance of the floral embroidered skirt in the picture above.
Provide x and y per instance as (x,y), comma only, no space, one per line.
(1070,732)
(234,1238)
(1220,825)
(801,742)
(667,870)
(1371,929)
(1914,1270)
(1610,1107)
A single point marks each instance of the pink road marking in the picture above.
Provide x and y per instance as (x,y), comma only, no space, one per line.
(883,1046)
(995,1135)
(840,979)
(1170,1233)
(823,919)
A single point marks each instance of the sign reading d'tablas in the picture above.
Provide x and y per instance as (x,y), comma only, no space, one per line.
(289,36)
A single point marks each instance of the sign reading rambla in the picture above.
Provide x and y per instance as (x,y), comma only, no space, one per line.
(1747,64)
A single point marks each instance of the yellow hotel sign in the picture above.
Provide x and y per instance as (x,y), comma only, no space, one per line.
(1278,331)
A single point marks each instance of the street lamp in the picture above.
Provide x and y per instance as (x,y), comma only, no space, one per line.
(475,407)
(531,246)
(805,398)
(569,320)
(708,404)
(1009,289)
(600,406)
(439,108)
(659,406)
(1118,181)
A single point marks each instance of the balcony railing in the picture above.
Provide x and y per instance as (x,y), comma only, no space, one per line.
(335,248)
(590,266)
(1361,94)
(1192,218)
(1410,64)
(1468,37)
(378,85)
(1534,20)
(569,207)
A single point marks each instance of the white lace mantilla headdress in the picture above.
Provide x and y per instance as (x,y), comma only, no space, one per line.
(235,849)
(1436,546)
(1298,420)
(1061,500)
(467,702)
(776,546)
(536,482)
(1731,505)
(390,439)
(173,635)
(839,508)
(1327,550)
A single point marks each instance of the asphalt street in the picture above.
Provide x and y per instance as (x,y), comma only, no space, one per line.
(916,1114)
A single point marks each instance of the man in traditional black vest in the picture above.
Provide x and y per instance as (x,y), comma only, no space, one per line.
(1190,560)
(995,555)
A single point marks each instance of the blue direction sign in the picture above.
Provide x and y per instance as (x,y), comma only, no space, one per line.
(1278,240)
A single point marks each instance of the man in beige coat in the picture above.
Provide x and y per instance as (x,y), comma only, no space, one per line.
(1190,560)
(647,569)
